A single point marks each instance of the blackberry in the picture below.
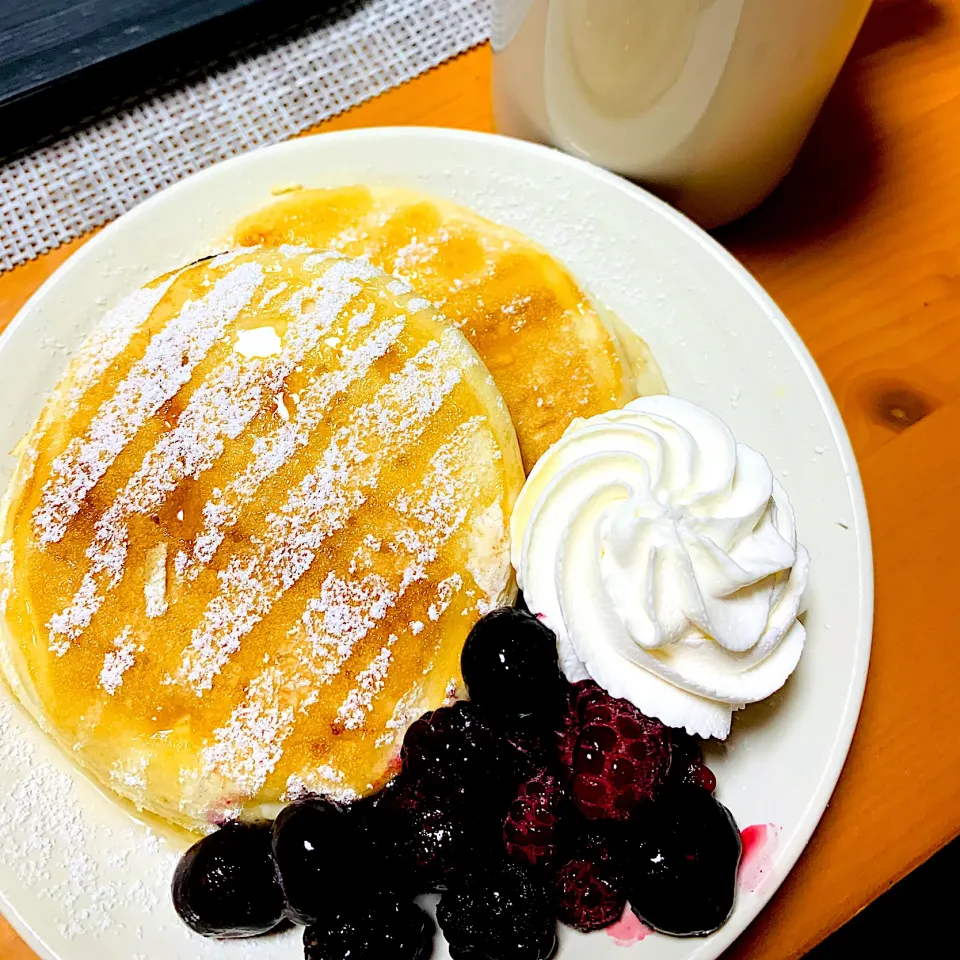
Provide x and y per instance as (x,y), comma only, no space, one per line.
(429,839)
(498,913)
(385,928)
(455,750)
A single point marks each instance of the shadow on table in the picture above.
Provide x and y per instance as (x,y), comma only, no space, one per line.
(840,164)
(910,920)
(160,67)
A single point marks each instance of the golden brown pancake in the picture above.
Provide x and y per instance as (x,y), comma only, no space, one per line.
(250,531)
(550,351)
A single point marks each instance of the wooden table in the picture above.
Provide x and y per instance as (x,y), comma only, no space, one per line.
(861,248)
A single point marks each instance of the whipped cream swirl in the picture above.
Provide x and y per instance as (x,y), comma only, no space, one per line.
(664,555)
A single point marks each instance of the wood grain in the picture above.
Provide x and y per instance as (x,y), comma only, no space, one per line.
(861,247)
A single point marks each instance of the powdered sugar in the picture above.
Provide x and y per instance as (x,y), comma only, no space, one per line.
(83,873)
(6,573)
(272,451)
(167,365)
(370,681)
(218,410)
(155,581)
(344,613)
(108,340)
(359,701)
(323,780)
(117,662)
(319,506)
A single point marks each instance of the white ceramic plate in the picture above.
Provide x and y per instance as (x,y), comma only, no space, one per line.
(80,879)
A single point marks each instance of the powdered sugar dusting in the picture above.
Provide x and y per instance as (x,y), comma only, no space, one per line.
(408,708)
(370,681)
(272,451)
(250,744)
(109,338)
(6,573)
(445,591)
(117,662)
(167,365)
(319,506)
(218,410)
(80,871)
(155,581)
(324,780)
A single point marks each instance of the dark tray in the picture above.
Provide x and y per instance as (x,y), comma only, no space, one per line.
(64,62)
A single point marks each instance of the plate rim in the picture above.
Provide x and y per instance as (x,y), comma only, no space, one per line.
(835,760)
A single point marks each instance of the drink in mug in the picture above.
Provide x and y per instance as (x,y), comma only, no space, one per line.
(706,101)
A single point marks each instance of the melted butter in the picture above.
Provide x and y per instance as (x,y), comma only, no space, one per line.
(258,342)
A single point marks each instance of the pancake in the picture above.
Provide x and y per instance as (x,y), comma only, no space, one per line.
(249,533)
(554,354)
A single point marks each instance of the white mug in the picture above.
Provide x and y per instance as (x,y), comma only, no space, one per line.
(706,101)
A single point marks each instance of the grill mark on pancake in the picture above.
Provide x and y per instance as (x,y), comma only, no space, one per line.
(248,747)
(422,253)
(271,452)
(220,408)
(170,359)
(319,506)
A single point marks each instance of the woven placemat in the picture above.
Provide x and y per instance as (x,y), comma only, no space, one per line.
(65,189)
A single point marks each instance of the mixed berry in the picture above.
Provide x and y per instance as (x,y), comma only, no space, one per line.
(534,801)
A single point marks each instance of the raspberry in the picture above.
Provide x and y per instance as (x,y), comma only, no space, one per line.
(530,831)
(587,898)
(619,757)
(578,696)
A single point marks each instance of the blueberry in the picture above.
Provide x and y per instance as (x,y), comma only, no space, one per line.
(500,912)
(226,884)
(323,854)
(509,664)
(383,928)
(678,860)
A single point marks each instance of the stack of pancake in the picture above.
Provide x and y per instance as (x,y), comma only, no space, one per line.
(254,523)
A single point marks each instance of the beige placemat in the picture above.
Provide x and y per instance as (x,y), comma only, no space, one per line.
(88,178)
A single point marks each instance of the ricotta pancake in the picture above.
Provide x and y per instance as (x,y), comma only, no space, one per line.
(554,354)
(248,535)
